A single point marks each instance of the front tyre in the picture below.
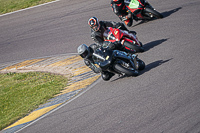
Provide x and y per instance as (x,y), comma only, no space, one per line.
(141,64)
(127,71)
(141,48)
(134,47)
(150,12)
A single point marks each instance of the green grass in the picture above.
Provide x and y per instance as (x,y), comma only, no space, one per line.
(21,93)
(14,5)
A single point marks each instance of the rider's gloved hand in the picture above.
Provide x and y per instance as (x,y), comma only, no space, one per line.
(111,46)
(124,18)
(118,45)
(105,44)
(129,15)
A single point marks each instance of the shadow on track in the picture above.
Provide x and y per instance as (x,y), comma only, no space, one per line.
(153,65)
(168,13)
(152,44)
(165,14)
(147,68)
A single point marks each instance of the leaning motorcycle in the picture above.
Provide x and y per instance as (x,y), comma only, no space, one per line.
(118,62)
(129,40)
(147,11)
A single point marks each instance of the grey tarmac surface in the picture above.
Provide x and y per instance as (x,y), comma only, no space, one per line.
(164,98)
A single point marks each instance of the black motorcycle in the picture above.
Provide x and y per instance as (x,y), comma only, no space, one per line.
(118,62)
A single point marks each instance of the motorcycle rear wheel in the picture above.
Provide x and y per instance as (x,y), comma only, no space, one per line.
(155,13)
(127,71)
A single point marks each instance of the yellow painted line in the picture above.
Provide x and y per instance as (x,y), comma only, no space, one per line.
(67,61)
(34,115)
(81,70)
(24,63)
(79,85)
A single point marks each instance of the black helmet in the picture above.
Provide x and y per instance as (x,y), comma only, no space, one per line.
(83,50)
(94,23)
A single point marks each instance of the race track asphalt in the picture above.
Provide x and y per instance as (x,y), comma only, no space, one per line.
(164,98)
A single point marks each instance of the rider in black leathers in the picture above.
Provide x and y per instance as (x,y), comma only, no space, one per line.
(86,52)
(119,8)
(99,27)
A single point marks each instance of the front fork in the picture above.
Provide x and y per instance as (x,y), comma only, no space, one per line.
(134,58)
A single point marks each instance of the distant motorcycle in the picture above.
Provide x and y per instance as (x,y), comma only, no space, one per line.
(129,40)
(117,62)
(147,11)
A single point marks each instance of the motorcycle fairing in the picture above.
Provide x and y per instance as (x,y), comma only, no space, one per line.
(134,4)
(121,54)
(102,57)
(108,35)
(116,33)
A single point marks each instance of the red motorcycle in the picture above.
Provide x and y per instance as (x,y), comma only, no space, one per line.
(146,11)
(129,40)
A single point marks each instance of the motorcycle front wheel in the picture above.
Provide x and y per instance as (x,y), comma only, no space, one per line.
(127,71)
(152,13)
(134,46)
(141,64)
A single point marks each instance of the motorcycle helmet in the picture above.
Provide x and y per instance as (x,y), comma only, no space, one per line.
(83,51)
(94,23)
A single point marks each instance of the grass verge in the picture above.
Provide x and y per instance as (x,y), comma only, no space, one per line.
(21,93)
(14,5)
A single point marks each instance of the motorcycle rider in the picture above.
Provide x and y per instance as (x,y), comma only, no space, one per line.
(120,9)
(86,52)
(99,27)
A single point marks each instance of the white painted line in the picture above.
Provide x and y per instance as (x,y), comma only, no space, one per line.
(48,113)
(29,8)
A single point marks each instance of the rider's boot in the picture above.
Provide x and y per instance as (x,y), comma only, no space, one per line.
(135,17)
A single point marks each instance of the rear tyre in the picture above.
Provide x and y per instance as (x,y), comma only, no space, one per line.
(127,71)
